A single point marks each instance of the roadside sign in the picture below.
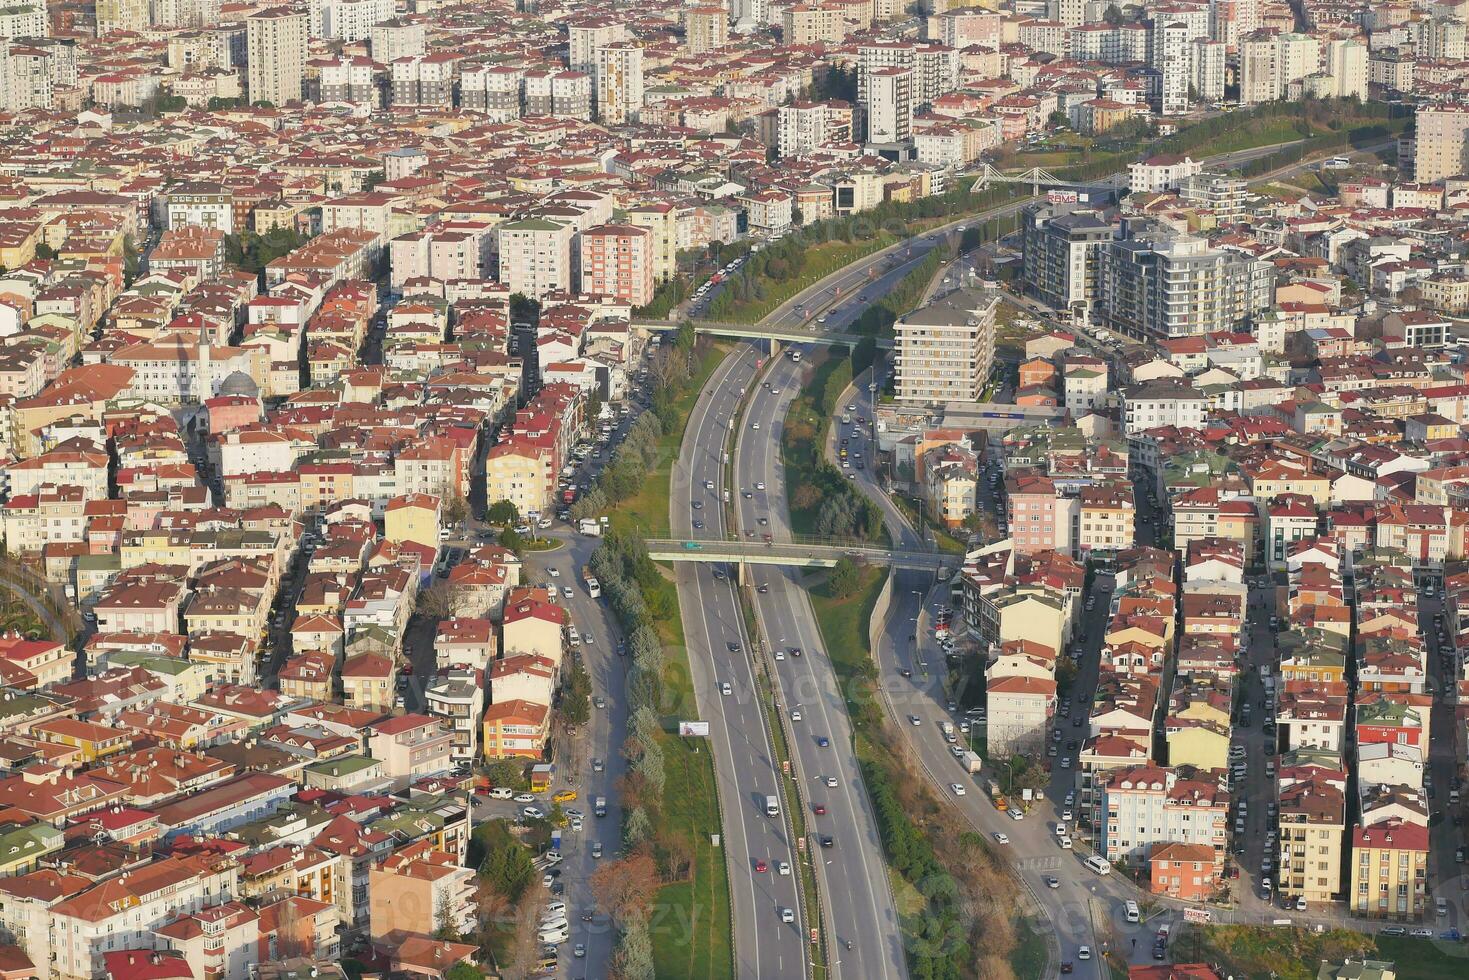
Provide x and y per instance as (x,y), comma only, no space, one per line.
(785,766)
(1197,915)
(813,937)
(693,729)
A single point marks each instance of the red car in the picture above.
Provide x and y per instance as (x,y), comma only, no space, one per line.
(760,866)
(820,810)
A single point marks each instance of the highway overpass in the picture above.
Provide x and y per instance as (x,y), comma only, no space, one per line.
(808,333)
(785,553)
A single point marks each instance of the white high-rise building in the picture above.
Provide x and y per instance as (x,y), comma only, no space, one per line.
(276,45)
(1300,55)
(1442,145)
(1346,62)
(348,20)
(1258,72)
(586,37)
(1171,58)
(1208,68)
(890,105)
(1438,39)
(618,82)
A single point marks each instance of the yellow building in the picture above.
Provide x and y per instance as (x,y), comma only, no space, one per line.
(92,742)
(1389,870)
(413,517)
(662,221)
(18,243)
(1197,743)
(1312,827)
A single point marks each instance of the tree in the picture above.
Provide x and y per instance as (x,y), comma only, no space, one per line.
(1113,15)
(523,309)
(511,540)
(844,578)
(504,772)
(503,512)
(444,926)
(508,866)
(633,959)
(45,252)
(576,695)
(625,887)
(439,601)
(464,971)
(456,509)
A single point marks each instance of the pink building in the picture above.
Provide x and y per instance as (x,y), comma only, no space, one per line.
(617,261)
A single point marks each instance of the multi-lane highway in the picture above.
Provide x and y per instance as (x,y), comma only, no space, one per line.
(857,904)
(719,655)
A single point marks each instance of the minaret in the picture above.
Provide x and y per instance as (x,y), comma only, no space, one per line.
(203,388)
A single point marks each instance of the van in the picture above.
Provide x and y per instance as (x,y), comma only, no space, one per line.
(1099,864)
(501,793)
(1133,913)
(772,806)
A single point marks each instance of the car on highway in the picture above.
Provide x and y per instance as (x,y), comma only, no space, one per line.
(1001,838)
(957,789)
(761,866)
(795,714)
(725,689)
(914,720)
(831,781)
(783,867)
(1052,881)
(823,741)
(827,840)
(787,915)
(1083,952)
(819,809)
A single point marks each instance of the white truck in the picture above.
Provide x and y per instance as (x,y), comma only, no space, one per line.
(772,806)
(971,762)
(588,526)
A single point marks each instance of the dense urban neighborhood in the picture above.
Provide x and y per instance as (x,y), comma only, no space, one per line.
(799,489)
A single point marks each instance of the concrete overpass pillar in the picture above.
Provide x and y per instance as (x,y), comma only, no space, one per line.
(742,573)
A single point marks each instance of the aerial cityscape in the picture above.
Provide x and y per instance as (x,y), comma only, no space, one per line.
(743,490)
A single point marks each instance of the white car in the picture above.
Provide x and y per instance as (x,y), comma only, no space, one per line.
(784,867)
(780,654)
(1016,813)
(914,720)
(795,714)
(957,788)
(524,798)
(1002,838)
(1084,952)
(831,781)
(532,812)
(787,915)
(554,572)
(725,689)
(1065,843)
(756,425)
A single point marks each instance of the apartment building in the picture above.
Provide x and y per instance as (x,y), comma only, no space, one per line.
(1159,286)
(706,29)
(1146,807)
(536,256)
(1389,870)
(945,350)
(1312,830)
(889,105)
(1061,251)
(617,261)
(276,40)
(617,80)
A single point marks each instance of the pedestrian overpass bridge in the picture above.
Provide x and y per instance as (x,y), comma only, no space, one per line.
(788,553)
